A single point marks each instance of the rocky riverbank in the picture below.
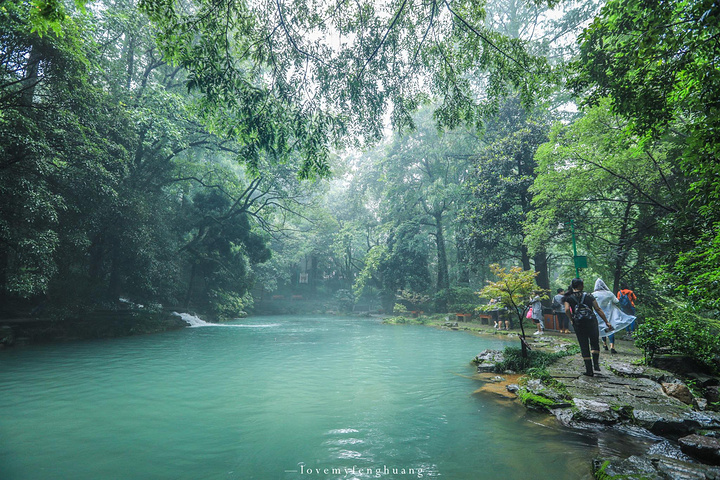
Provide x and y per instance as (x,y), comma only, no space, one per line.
(679,409)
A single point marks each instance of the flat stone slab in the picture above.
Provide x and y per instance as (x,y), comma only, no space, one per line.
(654,467)
(594,411)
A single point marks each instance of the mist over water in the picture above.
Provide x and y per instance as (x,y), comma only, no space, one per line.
(283,397)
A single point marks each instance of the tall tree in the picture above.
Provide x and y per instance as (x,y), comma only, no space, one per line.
(62,139)
(422,176)
(107,165)
(500,187)
(622,194)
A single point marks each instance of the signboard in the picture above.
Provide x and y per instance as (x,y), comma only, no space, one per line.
(580,261)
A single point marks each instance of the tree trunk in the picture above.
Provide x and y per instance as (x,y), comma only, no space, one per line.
(349,275)
(462,264)
(313,273)
(31,76)
(525,257)
(622,254)
(130,59)
(541,267)
(188,293)
(443,280)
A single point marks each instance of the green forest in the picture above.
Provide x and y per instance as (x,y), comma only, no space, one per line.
(231,157)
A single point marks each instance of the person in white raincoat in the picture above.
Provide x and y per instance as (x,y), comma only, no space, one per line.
(610,305)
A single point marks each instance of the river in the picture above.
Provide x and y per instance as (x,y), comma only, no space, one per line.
(282,397)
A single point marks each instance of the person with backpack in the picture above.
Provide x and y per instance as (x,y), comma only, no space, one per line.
(626,299)
(582,307)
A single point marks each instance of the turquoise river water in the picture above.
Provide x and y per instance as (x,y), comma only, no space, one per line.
(282,397)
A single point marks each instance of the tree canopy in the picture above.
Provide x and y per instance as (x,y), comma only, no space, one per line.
(161,150)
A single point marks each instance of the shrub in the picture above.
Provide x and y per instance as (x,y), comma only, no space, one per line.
(228,305)
(458,299)
(400,320)
(344,300)
(534,362)
(679,331)
(399,308)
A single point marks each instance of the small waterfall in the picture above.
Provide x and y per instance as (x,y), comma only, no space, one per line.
(192,320)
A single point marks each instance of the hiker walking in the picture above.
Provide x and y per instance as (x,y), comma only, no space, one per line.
(581,307)
(537,313)
(627,299)
(611,307)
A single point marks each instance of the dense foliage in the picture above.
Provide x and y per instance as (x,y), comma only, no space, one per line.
(161,161)
(657,65)
(673,331)
(112,187)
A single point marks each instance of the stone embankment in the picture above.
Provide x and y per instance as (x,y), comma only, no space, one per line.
(93,325)
(679,410)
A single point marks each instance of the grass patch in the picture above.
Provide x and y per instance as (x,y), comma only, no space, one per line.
(548,380)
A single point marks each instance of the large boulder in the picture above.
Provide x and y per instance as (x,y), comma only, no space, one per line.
(667,421)
(679,391)
(712,393)
(653,467)
(703,380)
(487,360)
(704,448)
(679,364)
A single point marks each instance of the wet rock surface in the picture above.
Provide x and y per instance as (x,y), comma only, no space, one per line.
(679,391)
(653,467)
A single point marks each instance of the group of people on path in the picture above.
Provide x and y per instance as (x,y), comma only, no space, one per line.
(597,315)
(594,316)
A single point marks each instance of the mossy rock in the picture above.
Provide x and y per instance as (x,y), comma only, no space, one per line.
(625,412)
(539,402)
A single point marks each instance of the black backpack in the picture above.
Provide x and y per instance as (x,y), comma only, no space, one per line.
(583,313)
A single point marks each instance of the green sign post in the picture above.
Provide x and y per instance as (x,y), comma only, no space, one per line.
(580,261)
